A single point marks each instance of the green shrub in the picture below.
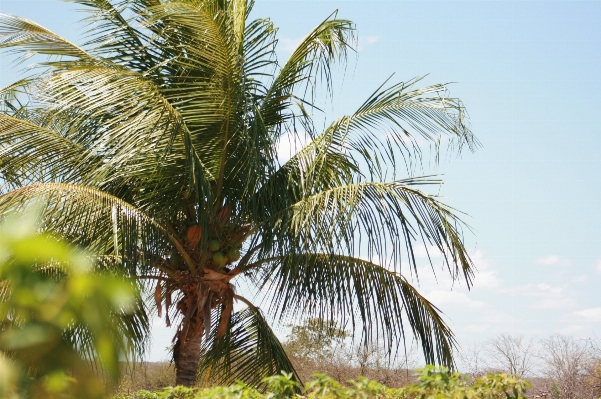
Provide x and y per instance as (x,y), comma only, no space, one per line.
(440,383)
(147,395)
(53,308)
(432,383)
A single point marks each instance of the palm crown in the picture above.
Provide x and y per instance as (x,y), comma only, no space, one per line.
(154,144)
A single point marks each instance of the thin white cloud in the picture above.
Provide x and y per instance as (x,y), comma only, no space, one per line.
(444,299)
(372,39)
(290,144)
(365,41)
(485,276)
(547,288)
(431,280)
(421,251)
(553,260)
(478,328)
(571,330)
(593,314)
(544,296)
(551,303)
(287,44)
(598,266)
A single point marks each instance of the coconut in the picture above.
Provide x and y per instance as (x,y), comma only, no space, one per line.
(214,245)
(193,235)
(233,254)
(219,259)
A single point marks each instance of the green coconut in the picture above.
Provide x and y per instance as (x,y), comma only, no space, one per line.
(214,245)
(233,254)
(219,259)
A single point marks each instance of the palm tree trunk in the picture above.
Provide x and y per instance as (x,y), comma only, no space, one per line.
(186,356)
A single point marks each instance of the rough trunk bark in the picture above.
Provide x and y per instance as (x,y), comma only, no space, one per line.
(186,356)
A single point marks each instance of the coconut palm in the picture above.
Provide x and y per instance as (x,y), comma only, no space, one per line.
(154,146)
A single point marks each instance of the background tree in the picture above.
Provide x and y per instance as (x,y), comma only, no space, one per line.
(317,346)
(569,364)
(153,145)
(512,354)
(472,361)
(315,340)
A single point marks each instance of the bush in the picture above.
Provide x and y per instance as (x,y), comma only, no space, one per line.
(432,383)
(53,308)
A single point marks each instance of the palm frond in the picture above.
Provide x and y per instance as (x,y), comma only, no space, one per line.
(328,42)
(140,136)
(321,165)
(27,36)
(13,98)
(393,118)
(313,57)
(250,151)
(132,333)
(259,47)
(388,219)
(194,33)
(111,30)
(203,69)
(32,154)
(97,221)
(342,288)
(248,352)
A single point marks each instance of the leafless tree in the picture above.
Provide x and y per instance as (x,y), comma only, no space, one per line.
(376,358)
(594,371)
(512,354)
(471,360)
(568,364)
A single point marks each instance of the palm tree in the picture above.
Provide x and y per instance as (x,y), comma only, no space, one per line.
(154,146)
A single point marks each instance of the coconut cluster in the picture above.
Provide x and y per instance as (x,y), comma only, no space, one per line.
(221,253)
(219,258)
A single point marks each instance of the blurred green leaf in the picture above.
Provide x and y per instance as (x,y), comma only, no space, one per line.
(48,290)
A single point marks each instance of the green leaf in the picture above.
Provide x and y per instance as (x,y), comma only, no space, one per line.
(347,290)
(248,352)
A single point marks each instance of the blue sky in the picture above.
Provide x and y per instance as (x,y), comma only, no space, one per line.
(530,76)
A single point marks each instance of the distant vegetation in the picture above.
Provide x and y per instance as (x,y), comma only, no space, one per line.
(559,367)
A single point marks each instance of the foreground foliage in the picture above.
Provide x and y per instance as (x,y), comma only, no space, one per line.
(49,299)
(154,146)
(432,383)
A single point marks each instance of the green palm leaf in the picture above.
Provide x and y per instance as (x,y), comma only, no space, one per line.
(337,219)
(248,352)
(360,293)
(401,113)
(27,36)
(98,221)
(31,153)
